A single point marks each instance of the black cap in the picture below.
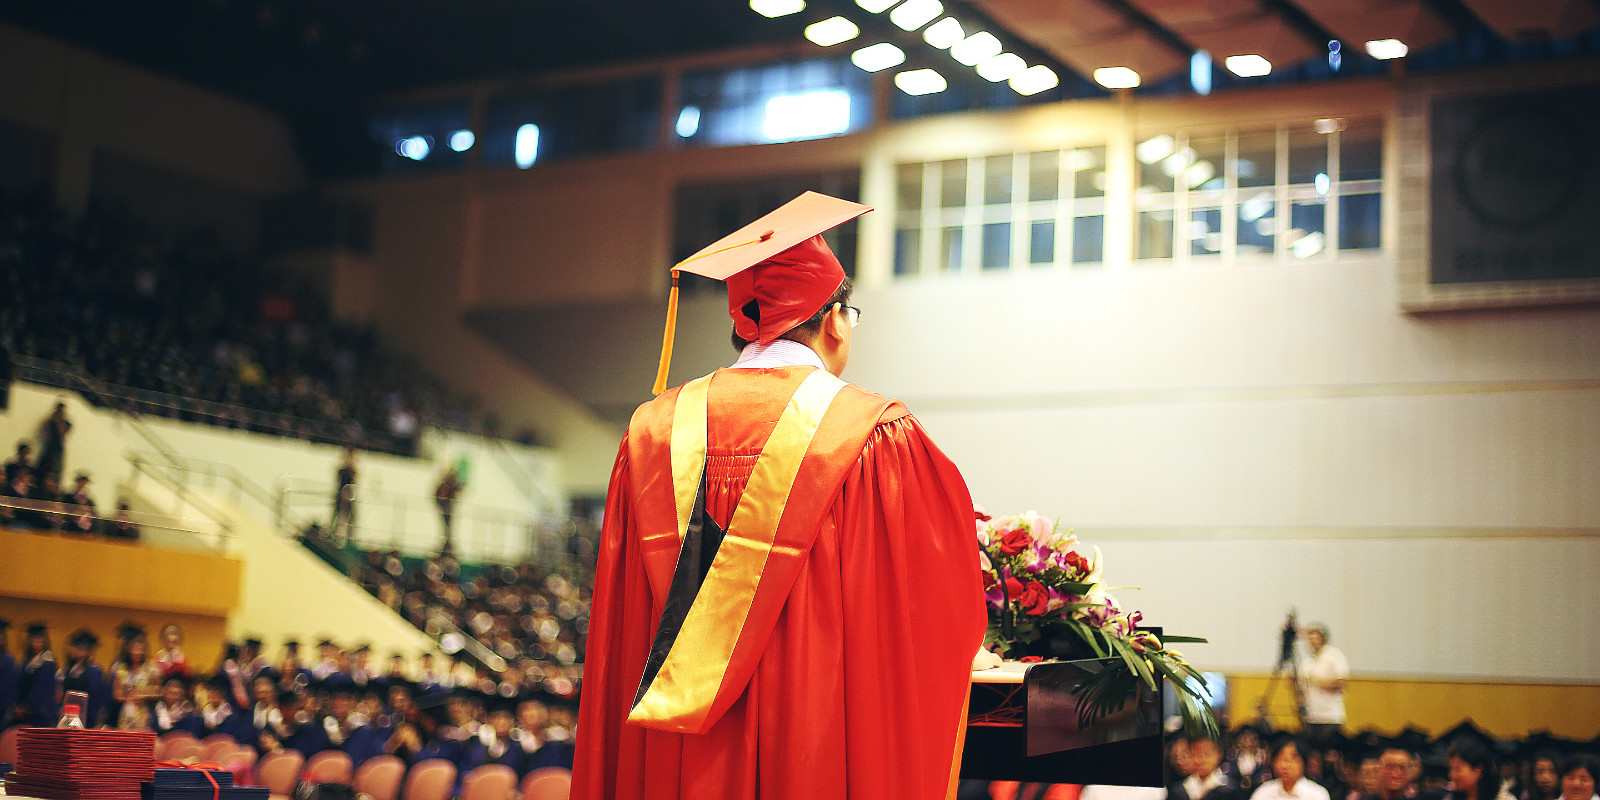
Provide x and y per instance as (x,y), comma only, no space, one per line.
(337,683)
(37,628)
(326,643)
(270,674)
(291,644)
(253,641)
(362,648)
(83,637)
(129,630)
(5,624)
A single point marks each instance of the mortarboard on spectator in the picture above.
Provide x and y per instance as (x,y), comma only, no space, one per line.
(37,628)
(253,641)
(363,647)
(83,637)
(129,630)
(778,269)
(292,645)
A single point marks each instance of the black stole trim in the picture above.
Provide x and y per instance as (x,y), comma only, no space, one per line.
(700,542)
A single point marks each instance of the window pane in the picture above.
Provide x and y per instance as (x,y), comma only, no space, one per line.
(1155,234)
(950,249)
(953,184)
(1306,229)
(1258,223)
(1361,152)
(1044,173)
(997,180)
(1308,156)
(907,251)
(997,245)
(1088,239)
(1205,173)
(1205,231)
(1360,222)
(1042,242)
(1088,165)
(1257,160)
(908,182)
(1156,157)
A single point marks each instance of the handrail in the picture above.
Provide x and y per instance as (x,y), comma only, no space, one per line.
(313,486)
(143,519)
(503,454)
(178,488)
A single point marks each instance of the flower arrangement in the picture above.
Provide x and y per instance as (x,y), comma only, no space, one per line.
(1045,597)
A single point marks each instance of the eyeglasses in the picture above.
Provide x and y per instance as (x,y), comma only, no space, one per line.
(852,313)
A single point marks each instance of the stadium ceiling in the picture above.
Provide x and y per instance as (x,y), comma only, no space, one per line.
(322,63)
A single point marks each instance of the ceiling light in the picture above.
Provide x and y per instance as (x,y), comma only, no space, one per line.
(807,115)
(920,81)
(1154,149)
(1248,66)
(1200,72)
(777,8)
(975,48)
(913,14)
(1001,67)
(878,57)
(1328,124)
(944,33)
(526,147)
(1385,49)
(462,141)
(1178,162)
(875,6)
(1034,80)
(1116,77)
(688,122)
(832,31)
(1197,174)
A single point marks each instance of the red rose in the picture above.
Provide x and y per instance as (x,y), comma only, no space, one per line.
(1034,599)
(1077,562)
(989,581)
(982,517)
(1031,659)
(1015,541)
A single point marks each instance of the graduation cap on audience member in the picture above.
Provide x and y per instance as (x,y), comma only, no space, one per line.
(362,648)
(220,684)
(778,269)
(292,645)
(338,683)
(253,642)
(83,637)
(270,674)
(1466,730)
(129,630)
(326,643)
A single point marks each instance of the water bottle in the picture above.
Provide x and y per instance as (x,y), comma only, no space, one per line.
(72,710)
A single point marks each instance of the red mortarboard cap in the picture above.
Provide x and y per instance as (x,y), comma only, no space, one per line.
(779,262)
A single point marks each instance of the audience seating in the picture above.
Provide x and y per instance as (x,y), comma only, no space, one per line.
(279,771)
(180,749)
(547,783)
(433,779)
(489,782)
(379,777)
(330,766)
(216,750)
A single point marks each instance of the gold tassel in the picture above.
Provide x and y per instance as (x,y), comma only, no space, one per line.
(666,337)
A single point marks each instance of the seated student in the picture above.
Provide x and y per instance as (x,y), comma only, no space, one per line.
(1396,765)
(173,711)
(305,732)
(426,733)
(218,715)
(1247,759)
(496,742)
(1206,779)
(82,516)
(1579,772)
(20,490)
(557,750)
(122,525)
(1289,766)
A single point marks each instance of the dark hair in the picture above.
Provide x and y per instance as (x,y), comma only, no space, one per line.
(1300,748)
(1478,757)
(1584,761)
(805,330)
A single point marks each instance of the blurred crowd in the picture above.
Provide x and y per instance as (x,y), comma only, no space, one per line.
(533,618)
(193,321)
(334,699)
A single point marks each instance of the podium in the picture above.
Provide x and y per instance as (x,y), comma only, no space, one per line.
(1023,725)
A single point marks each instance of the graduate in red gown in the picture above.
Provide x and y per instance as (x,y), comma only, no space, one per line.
(788,599)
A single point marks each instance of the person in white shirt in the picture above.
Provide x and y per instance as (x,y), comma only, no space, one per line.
(1206,780)
(1323,675)
(1289,765)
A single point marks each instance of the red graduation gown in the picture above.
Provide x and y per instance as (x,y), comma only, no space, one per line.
(851,669)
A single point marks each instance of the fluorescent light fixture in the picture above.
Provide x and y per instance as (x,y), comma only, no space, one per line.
(415,148)
(1323,183)
(1154,149)
(913,14)
(832,31)
(526,149)
(875,6)
(1248,66)
(1178,162)
(1327,124)
(1080,160)
(1116,77)
(1385,49)
(975,48)
(807,115)
(880,56)
(944,33)
(1034,80)
(920,81)
(1200,72)
(688,122)
(1001,67)
(777,8)
(462,141)
(1307,245)
(1256,206)
(1198,173)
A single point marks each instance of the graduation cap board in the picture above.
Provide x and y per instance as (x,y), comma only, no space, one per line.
(779,263)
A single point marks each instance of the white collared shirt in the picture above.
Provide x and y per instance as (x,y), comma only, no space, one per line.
(1197,786)
(1304,789)
(780,353)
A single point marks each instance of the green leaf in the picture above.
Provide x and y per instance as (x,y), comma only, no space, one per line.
(1170,638)
(1135,663)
